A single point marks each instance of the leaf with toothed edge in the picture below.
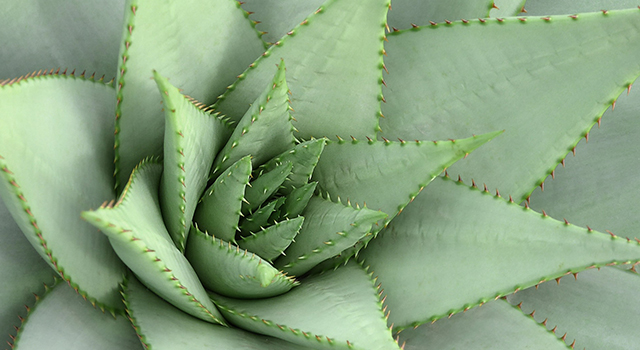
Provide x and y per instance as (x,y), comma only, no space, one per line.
(161,327)
(335,59)
(297,200)
(328,229)
(576,66)
(506,8)
(264,186)
(264,131)
(304,157)
(339,309)
(260,218)
(270,242)
(166,36)
(55,162)
(192,138)
(138,235)
(404,14)
(227,270)
(494,247)
(569,7)
(219,209)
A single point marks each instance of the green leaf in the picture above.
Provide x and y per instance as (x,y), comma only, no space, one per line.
(270,242)
(494,326)
(297,200)
(305,157)
(493,247)
(387,175)
(161,326)
(57,161)
(572,303)
(260,218)
(62,319)
(405,13)
(225,269)
(192,138)
(328,229)
(334,59)
(264,186)
(545,82)
(276,17)
(337,310)
(167,36)
(219,209)
(569,7)
(507,8)
(137,233)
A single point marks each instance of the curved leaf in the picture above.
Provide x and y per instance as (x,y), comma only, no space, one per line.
(270,242)
(405,13)
(569,7)
(305,157)
(260,218)
(264,186)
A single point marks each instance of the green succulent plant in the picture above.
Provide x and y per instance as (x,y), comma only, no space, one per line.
(282,175)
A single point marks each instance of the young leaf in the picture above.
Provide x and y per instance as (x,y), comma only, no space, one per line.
(273,240)
(305,157)
(264,186)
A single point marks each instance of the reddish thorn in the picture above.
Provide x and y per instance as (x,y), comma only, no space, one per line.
(473,184)
(613,105)
(604,12)
(589,229)
(510,199)
(394,29)
(493,5)
(586,137)
(542,186)
(573,150)
(433,23)
(611,233)
(522,10)
(447,21)
(544,213)
(526,205)
(562,162)
(414,25)
(629,88)
(133,9)
(566,222)
(553,174)
(558,282)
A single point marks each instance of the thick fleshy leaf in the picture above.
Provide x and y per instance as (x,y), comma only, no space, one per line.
(492,246)
(264,186)
(596,308)
(192,138)
(137,233)
(227,270)
(494,326)
(335,62)
(168,36)
(270,242)
(328,229)
(405,13)
(74,34)
(508,67)
(337,310)
(387,175)
(260,218)
(570,7)
(23,272)
(56,161)
(62,319)
(305,157)
(264,131)
(506,8)
(277,17)
(219,209)
(161,326)
(297,200)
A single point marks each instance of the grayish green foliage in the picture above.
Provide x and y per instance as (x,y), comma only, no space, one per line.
(270,242)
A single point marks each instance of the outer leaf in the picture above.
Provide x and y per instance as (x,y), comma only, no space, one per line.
(387,175)
(596,309)
(495,326)
(336,310)
(192,138)
(334,58)
(57,161)
(54,323)
(305,157)
(273,240)
(404,13)
(499,248)
(136,232)
(575,66)
(225,269)
(568,7)
(167,36)
(264,186)
(161,326)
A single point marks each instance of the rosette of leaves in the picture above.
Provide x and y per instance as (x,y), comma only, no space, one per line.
(287,210)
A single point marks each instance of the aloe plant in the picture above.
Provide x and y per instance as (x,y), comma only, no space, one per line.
(282,175)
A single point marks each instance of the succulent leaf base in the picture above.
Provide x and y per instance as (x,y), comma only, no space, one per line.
(323,175)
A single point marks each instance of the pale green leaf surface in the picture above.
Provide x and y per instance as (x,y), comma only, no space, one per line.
(305,157)
(387,175)
(494,326)
(73,34)
(297,200)
(334,65)
(277,17)
(226,269)
(192,138)
(62,319)
(161,326)
(260,218)
(491,246)
(219,210)
(577,67)
(342,305)
(57,160)
(264,186)
(598,308)
(572,7)
(270,242)
(507,8)
(194,44)
(404,13)
(137,233)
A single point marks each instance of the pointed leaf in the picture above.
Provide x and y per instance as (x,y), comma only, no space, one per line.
(494,247)
(277,17)
(137,233)
(273,240)
(387,175)
(219,210)
(260,218)
(569,7)
(336,310)
(574,65)
(161,326)
(405,13)
(334,59)
(56,161)
(167,36)
(304,157)
(192,138)
(328,229)
(225,269)
(297,200)
(264,186)
(264,131)
(507,8)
